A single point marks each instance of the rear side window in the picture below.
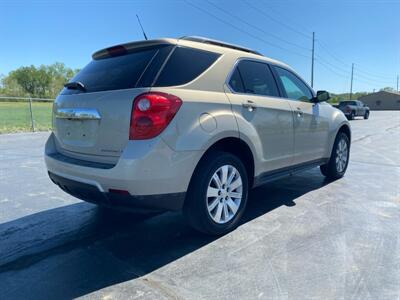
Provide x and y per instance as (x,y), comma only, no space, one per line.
(236,82)
(184,65)
(257,79)
(344,103)
(122,72)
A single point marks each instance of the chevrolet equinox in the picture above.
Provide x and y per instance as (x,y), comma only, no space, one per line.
(189,124)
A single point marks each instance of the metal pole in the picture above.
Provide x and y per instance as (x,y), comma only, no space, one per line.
(312,60)
(30,108)
(351,83)
(397,83)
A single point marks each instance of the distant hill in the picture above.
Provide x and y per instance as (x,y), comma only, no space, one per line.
(335,98)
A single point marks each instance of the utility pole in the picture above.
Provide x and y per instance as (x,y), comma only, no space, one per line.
(397,83)
(351,82)
(312,60)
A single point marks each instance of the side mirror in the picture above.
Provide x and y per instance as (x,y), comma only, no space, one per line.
(322,96)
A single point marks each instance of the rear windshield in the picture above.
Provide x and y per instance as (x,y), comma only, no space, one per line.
(344,103)
(140,69)
(120,72)
(184,65)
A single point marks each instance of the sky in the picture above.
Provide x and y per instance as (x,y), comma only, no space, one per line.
(366,33)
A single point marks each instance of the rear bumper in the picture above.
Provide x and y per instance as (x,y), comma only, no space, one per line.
(154,175)
(92,194)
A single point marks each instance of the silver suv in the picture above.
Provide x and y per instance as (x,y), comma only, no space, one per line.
(189,124)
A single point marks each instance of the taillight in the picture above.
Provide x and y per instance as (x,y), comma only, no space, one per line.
(151,114)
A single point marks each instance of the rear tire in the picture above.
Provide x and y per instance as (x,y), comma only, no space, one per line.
(351,116)
(339,160)
(217,194)
(366,115)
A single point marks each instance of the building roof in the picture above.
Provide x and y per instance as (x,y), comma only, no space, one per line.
(380,93)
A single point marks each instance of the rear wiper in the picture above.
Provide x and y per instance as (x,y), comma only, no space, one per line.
(75,85)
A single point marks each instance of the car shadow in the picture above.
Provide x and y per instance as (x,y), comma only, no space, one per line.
(77,249)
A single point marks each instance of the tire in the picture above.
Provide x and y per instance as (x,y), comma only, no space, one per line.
(366,115)
(202,209)
(351,116)
(339,160)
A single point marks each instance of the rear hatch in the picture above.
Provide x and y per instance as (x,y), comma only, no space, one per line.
(91,118)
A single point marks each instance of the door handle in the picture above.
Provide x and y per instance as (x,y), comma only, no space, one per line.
(299,112)
(250,105)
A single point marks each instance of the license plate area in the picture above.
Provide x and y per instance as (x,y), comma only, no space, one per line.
(78,133)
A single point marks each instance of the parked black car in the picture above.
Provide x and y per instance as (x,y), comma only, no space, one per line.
(354,108)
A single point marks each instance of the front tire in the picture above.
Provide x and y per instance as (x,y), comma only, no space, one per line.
(217,194)
(339,160)
(351,116)
(366,115)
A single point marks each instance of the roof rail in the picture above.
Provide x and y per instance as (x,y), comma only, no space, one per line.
(218,43)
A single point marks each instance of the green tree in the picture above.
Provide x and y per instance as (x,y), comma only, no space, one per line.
(388,89)
(43,81)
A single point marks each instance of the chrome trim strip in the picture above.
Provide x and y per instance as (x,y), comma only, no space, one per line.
(77,113)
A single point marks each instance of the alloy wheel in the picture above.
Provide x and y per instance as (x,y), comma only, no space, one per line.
(342,152)
(224,194)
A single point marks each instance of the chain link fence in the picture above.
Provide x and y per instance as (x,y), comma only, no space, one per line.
(19,114)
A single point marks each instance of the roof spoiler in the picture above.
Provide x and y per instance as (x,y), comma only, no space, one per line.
(129,47)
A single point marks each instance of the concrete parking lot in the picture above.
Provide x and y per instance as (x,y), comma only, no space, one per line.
(302,237)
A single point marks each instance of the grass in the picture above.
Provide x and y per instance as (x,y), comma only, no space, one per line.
(16,117)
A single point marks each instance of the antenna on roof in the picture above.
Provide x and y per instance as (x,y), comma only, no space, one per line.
(144,34)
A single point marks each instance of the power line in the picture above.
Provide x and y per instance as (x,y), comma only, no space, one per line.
(330,69)
(332,65)
(278,21)
(334,68)
(256,27)
(325,48)
(365,74)
(342,75)
(375,74)
(375,80)
(371,75)
(244,31)
(359,74)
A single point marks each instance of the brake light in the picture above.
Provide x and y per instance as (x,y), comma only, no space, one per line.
(116,50)
(151,114)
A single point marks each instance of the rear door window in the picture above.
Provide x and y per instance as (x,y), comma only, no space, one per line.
(256,79)
(184,65)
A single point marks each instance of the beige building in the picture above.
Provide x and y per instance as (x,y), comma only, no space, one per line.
(382,100)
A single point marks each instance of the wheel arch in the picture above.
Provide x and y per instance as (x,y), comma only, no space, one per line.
(345,128)
(237,147)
